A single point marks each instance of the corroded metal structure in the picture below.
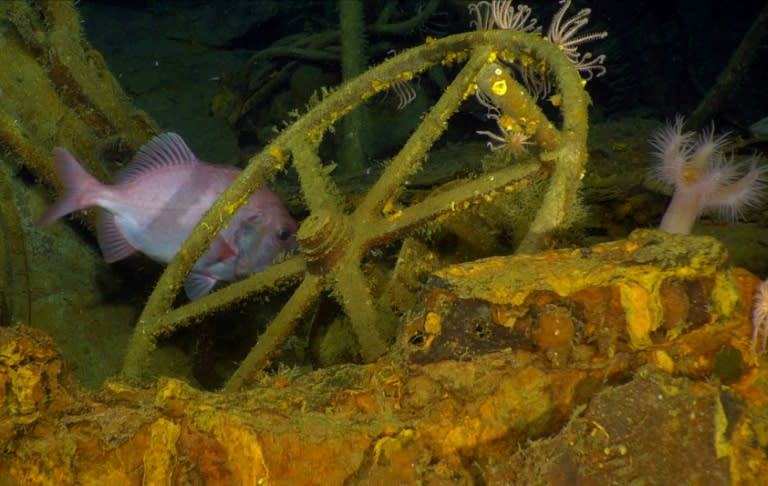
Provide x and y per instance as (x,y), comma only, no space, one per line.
(55,89)
(333,243)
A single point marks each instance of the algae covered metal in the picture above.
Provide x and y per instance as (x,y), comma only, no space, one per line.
(55,89)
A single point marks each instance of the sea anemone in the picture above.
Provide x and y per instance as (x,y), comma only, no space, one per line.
(703,176)
(760,318)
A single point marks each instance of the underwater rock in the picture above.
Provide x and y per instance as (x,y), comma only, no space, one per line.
(656,429)
(574,305)
(345,423)
(34,381)
(573,362)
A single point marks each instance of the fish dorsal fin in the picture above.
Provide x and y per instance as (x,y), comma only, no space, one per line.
(164,150)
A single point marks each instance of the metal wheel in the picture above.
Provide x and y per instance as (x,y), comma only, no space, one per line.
(333,242)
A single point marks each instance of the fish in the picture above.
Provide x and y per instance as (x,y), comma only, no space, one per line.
(156,201)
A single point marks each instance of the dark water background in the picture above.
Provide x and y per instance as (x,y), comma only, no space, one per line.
(662,56)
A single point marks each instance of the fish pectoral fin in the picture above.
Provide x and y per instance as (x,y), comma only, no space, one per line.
(198,285)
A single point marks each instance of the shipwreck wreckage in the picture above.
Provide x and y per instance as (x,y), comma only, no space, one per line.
(448,410)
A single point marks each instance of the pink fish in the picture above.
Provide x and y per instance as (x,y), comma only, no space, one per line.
(160,197)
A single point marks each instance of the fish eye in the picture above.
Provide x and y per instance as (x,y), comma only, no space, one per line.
(284,234)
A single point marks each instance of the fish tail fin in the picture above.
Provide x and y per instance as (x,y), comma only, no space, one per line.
(81,188)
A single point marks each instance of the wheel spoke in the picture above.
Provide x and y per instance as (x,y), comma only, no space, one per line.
(273,277)
(411,156)
(456,199)
(354,294)
(277,332)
